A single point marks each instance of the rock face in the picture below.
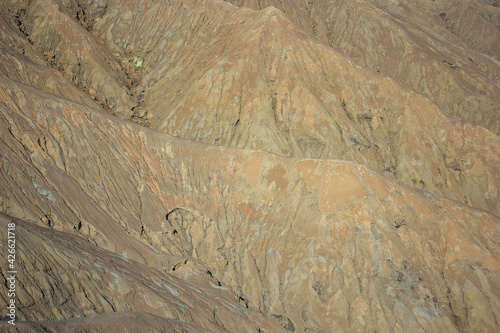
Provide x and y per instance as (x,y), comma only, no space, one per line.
(266,167)
(223,75)
(62,284)
(446,50)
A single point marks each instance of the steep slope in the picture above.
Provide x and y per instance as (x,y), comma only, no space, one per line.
(71,278)
(69,47)
(313,244)
(218,74)
(347,201)
(446,50)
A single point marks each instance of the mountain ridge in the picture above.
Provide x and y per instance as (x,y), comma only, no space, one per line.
(263,176)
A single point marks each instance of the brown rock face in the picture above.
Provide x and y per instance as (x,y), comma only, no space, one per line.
(272,166)
(445,50)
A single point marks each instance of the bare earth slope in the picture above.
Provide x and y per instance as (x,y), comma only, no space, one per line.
(446,50)
(218,74)
(316,244)
(314,194)
(71,278)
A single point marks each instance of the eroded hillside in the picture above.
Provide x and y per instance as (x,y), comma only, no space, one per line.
(202,166)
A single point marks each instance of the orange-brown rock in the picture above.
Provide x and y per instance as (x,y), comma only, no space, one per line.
(224,75)
(446,50)
(277,231)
